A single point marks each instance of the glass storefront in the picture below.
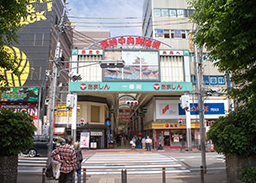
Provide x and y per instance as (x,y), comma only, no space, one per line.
(174,138)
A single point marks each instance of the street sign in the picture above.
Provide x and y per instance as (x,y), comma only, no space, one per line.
(108,123)
(126,110)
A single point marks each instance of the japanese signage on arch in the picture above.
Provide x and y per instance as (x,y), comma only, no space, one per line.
(131,40)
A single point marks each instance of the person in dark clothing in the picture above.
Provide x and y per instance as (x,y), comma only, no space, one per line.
(79,159)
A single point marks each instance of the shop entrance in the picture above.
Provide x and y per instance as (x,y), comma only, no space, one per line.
(173,138)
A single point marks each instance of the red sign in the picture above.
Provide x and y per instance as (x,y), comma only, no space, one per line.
(30,107)
(167,87)
(165,109)
(146,42)
(94,87)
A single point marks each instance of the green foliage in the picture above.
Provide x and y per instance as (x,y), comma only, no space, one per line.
(236,133)
(16,131)
(248,174)
(10,13)
(227,29)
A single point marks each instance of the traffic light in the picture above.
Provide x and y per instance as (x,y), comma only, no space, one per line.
(131,102)
(145,109)
(112,110)
(112,64)
(82,122)
(180,121)
(74,77)
(184,99)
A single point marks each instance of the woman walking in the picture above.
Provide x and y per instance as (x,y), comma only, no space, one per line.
(79,159)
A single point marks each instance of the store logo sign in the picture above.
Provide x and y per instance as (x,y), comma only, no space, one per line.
(83,86)
(156,86)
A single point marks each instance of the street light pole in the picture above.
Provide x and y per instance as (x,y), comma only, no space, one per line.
(54,85)
(200,106)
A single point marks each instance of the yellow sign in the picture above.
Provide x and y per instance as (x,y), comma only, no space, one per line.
(34,14)
(22,65)
(63,111)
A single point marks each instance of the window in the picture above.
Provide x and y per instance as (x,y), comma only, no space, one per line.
(213,80)
(95,113)
(164,12)
(172,13)
(177,34)
(183,34)
(221,80)
(172,33)
(159,33)
(187,34)
(166,34)
(193,79)
(180,13)
(157,12)
(206,80)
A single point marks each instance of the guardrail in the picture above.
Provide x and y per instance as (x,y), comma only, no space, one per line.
(124,175)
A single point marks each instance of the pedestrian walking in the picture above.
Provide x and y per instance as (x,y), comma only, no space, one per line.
(79,159)
(148,143)
(67,158)
(133,143)
(56,165)
(143,141)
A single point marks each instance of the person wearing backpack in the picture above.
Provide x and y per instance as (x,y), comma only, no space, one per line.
(79,159)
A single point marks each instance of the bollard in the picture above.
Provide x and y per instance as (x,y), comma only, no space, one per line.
(122,176)
(84,176)
(202,173)
(164,179)
(43,176)
(125,176)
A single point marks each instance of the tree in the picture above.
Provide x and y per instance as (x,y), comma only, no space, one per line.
(11,12)
(16,134)
(227,29)
(16,131)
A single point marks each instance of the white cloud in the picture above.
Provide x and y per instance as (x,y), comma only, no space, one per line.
(107,9)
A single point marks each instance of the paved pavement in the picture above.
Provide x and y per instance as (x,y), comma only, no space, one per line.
(211,177)
(208,178)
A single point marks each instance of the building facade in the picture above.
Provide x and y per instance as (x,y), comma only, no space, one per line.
(35,51)
(168,21)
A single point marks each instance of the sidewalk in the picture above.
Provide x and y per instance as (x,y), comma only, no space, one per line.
(218,177)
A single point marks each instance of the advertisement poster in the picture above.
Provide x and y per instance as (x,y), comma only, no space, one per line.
(20,95)
(84,139)
(176,138)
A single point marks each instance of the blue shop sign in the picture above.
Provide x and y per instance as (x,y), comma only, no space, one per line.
(209,109)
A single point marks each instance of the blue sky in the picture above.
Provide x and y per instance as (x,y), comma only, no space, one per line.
(107,9)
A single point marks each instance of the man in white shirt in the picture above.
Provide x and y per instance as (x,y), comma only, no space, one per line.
(148,143)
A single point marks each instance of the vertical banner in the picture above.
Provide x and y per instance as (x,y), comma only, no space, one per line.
(108,134)
(84,139)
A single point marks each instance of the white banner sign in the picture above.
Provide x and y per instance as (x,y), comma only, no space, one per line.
(84,139)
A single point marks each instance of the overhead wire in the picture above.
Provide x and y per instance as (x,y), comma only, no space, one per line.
(131,26)
(128,24)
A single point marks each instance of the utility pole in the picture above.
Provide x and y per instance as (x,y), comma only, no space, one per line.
(54,84)
(200,105)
